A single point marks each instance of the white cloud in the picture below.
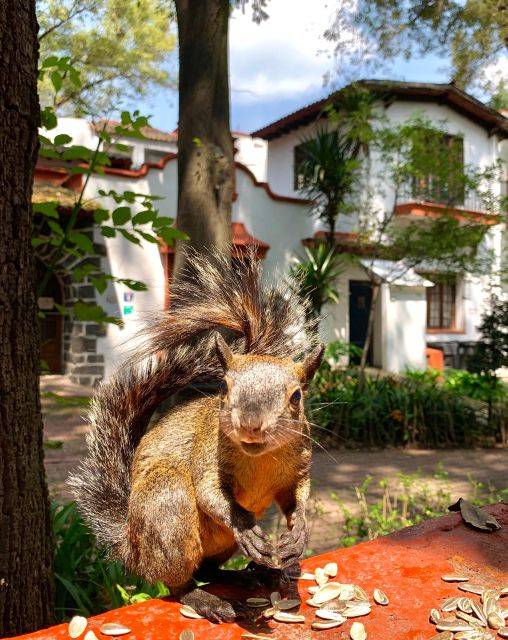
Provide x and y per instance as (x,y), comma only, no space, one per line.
(285,56)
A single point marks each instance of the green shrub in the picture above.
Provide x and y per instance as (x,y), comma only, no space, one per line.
(399,410)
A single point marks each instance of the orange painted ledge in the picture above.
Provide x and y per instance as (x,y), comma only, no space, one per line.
(407,565)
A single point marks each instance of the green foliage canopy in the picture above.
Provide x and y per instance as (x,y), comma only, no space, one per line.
(121,49)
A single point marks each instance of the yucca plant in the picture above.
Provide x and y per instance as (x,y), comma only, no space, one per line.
(316,274)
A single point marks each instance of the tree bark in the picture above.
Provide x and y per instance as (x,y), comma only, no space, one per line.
(26,586)
(205,146)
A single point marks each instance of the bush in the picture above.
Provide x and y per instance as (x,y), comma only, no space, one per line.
(394,410)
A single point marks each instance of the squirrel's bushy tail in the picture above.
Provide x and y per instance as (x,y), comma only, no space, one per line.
(178,352)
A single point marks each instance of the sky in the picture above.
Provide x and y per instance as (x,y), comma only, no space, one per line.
(279,66)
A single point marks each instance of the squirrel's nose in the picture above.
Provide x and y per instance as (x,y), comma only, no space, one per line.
(252,422)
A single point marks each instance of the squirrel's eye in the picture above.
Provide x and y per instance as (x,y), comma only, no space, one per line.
(296,397)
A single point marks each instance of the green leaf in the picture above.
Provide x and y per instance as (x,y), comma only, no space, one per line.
(125,118)
(169,235)
(125,596)
(36,242)
(162,221)
(45,140)
(56,228)
(135,285)
(108,232)
(78,170)
(121,215)
(148,237)
(129,236)
(77,152)
(140,597)
(50,61)
(56,80)
(74,77)
(92,313)
(143,217)
(101,282)
(48,209)
(100,215)
(122,147)
(82,241)
(62,139)
(49,153)
(48,118)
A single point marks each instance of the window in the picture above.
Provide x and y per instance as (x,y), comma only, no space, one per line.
(438,167)
(441,303)
(299,157)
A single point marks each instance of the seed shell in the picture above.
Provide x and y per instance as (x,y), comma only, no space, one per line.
(90,635)
(253,636)
(474,622)
(471,588)
(114,629)
(434,615)
(464,604)
(357,611)
(284,616)
(77,625)
(478,611)
(314,589)
(320,576)
(312,603)
(380,597)
(359,593)
(307,576)
(450,604)
(503,632)
(454,577)
(444,635)
(335,605)
(357,631)
(257,602)
(188,612)
(331,569)
(326,614)
(285,605)
(318,625)
(495,621)
(275,597)
(187,634)
(269,613)
(453,625)
(328,592)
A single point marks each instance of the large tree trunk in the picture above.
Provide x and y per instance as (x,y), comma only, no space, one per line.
(205,148)
(26,587)
(370,330)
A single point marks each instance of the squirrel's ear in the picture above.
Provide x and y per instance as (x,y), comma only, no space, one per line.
(224,353)
(311,364)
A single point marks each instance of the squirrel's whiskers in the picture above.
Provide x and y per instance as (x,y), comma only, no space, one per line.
(175,500)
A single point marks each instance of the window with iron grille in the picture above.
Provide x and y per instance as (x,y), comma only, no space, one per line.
(441,304)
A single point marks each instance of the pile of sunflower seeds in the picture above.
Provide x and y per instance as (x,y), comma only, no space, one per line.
(78,624)
(335,603)
(471,618)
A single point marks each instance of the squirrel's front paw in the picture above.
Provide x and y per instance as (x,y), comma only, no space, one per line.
(254,543)
(292,543)
(209,606)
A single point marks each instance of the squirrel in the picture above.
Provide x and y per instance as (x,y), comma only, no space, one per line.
(175,500)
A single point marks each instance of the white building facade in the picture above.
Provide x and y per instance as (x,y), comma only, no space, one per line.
(268,210)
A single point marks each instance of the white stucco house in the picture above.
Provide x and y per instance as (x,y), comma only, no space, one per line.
(412,313)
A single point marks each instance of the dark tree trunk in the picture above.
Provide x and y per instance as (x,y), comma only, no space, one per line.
(205,147)
(26,587)
(370,330)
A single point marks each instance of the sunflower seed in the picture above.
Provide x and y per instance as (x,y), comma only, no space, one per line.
(357,631)
(189,612)
(285,605)
(320,576)
(312,603)
(478,611)
(504,613)
(495,621)
(275,597)
(471,588)
(474,622)
(335,605)
(284,616)
(253,636)
(490,593)
(318,625)
(357,611)
(380,597)
(328,592)
(307,576)
(453,625)
(257,602)
(450,604)
(347,592)
(434,615)
(444,635)
(114,629)
(331,569)
(354,603)
(269,613)
(325,614)
(314,589)
(77,625)
(90,635)
(503,632)
(359,593)
(187,634)
(469,635)
(454,577)
(464,604)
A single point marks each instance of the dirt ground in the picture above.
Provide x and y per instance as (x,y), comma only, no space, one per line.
(335,471)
